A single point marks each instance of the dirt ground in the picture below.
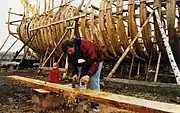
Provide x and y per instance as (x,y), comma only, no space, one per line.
(16,98)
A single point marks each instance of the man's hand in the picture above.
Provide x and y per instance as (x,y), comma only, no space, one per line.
(85,79)
(74,78)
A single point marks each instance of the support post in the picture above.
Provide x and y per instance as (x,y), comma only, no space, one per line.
(157,67)
(129,47)
(138,70)
(130,71)
(149,64)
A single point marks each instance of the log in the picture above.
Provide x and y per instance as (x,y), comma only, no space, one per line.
(119,101)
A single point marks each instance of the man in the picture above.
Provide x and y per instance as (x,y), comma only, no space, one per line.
(77,48)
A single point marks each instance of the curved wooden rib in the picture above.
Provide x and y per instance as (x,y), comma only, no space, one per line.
(174,41)
(146,33)
(121,27)
(111,29)
(132,27)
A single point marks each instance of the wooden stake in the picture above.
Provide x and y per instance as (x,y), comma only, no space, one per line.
(149,64)
(130,71)
(157,67)
(129,47)
(45,5)
(49,5)
(52,4)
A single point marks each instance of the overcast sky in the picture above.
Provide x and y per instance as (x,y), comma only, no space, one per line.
(18,8)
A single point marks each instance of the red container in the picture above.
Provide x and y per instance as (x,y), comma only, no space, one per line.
(54,75)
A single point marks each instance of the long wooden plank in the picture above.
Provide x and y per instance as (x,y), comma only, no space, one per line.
(119,101)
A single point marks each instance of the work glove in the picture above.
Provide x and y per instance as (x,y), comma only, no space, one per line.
(74,78)
(85,79)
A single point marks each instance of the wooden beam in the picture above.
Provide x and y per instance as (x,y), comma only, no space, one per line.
(55,23)
(142,83)
(119,101)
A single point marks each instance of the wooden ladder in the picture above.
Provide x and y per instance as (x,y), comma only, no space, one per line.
(168,48)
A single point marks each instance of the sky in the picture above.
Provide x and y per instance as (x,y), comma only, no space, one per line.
(16,7)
